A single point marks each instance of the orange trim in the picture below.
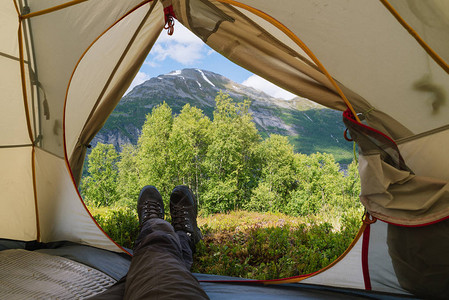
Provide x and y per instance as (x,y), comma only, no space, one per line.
(22,76)
(299,42)
(30,132)
(52,9)
(64,119)
(33,164)
(17,8)
(413,33)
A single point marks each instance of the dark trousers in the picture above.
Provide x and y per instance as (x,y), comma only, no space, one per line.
(160,267)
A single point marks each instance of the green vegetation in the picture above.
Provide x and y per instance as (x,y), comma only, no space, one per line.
(269,245)
(312,128)
(234,173)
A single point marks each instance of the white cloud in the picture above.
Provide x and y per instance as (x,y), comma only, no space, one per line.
(259,83)
(150,63)
(141,77)
(183,46)
(184,54)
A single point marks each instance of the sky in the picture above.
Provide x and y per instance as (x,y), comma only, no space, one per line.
(185,50)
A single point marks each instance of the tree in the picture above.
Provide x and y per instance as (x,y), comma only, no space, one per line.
(152,155)
(319,184)
(128,176)
(99,187)
(277,179)
(188,144)
(230,156)
(352,187)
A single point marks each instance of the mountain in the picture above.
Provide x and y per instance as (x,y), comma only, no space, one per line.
(310,127)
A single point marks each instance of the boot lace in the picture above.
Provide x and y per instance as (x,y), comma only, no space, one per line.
(180,219)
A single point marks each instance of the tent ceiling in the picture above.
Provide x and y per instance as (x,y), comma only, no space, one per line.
(393,72)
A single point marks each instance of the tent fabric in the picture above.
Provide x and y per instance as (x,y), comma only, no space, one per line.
(390,190)
(380,264)
(419,258)
(17,208)
(59,207)
(66,64)
(400,197)
(429,19)
(350,265)
(239,37)
(357,53)
(109,81)
(241,291)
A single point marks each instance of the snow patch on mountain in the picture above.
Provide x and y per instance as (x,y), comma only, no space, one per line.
(205,78)
(175,73)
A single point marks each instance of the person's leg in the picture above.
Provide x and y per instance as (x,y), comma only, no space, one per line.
(160,268)
(149,205)
(187,253)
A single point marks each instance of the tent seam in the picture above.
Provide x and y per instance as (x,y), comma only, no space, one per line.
(33,163)
(13,57)
(52,9)
(23,80)
(27,116)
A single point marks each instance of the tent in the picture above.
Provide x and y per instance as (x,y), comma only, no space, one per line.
(65,65)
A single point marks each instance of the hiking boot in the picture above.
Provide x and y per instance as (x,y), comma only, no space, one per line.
(183,211)
(150,204)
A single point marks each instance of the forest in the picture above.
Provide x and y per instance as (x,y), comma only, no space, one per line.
(265,211)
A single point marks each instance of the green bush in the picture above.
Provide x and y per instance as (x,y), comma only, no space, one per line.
(120,223)
(260,252)
(263,199)
(250,245)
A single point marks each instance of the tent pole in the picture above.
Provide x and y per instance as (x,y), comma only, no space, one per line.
(440,61)
(30,132)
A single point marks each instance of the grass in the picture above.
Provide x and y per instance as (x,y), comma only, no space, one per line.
(252,244)
(269,245)
(241,220)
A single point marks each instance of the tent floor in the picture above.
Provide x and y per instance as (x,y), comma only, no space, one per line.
(53,264)
(242,291)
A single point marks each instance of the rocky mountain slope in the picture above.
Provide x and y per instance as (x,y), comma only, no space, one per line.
(310,127)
